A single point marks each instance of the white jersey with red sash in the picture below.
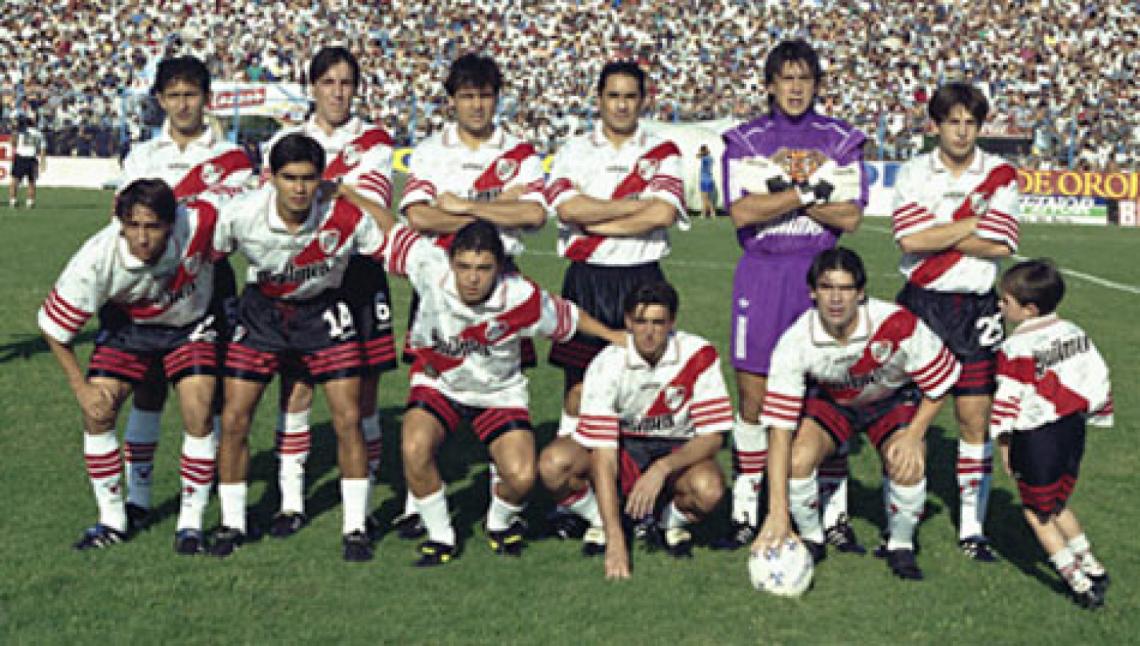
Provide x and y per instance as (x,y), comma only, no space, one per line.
(644,167)
(174,291)
(442,163)
(928,194)
(889,349)
(1048,368)
(302,264)
(472,353)
(680,397)
(207,165)
(356,153)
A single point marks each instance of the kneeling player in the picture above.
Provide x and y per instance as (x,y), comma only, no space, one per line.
(155,265)
(1050,378)
(869,360)
(654,414)
(467,339)
(294,316)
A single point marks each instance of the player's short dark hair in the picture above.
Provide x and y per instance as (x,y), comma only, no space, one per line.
(479,235)
(625,68)
(473,70)
(653,293)
(958,93)
(792,51)
(1035,282)
(188,69)
(296,147)
(154,194)
(837,259)
(329,56)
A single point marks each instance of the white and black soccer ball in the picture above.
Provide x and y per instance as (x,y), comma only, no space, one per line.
(784,572)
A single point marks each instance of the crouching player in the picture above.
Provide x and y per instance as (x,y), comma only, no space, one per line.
(1050,378)
(294,317)
(467,336)
(875,367)
(654,414)
(155,265)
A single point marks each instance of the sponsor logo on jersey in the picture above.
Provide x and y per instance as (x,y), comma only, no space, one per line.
(799,164)
(648,424)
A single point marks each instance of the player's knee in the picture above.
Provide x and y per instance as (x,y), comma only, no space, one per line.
(235,423)
(416,447)
(707,488)
(555,466)
(518,473)
(1034,516)
(346,422)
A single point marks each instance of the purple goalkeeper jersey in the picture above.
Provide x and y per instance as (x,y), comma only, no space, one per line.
(800,146)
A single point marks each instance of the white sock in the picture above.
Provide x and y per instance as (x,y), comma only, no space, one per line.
(671,517)
(410,504)
(432,508)
(833,489)
(1070,570)
(232,497)
(372,436)
(105,470)
(586,506)
(199,455)
(141,441)
(904,510)
(803,499)
(1082,552)
(501,514)
(293,444)
(567,424)
(750,459)
(975,467)
(354,501)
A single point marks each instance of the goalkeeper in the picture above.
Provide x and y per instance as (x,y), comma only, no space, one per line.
(794,182)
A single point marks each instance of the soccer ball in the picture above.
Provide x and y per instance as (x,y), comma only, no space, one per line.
(784,572)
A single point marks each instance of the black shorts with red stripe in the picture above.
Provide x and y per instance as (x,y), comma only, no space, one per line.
(600,291)
(879,420)
(366,284)
(1046,462)
(970,326)
(637,454)
(129,351)
(314,340)
(488,424)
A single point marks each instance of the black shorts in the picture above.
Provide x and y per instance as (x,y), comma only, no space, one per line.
(366,284)
(600,291)
(128,352)
(314,340)
(1046,462)
(488,424)
(25,168)
(878,419)
(636,455)
(970,326)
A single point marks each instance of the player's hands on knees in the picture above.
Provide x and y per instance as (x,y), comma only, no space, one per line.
(645,492)
(907,457)
(775,531)
(617,561)
(96,401)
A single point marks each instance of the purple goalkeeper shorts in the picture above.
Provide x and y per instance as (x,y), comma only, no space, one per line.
(769,292)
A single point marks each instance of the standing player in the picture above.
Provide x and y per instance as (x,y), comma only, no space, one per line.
(155,265)
(793,182)
(467,342)
(192,160)
(654,412)
(28,161)
(955,215)
(850,364)
(1050,378)
(616,190)
(360,154)
(473,170)
(293,315)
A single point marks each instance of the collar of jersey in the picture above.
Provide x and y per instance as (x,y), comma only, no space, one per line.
(349,130)
(862,328)
(168,259)
(782,119)
(206,139)
(634,359)
(975,167)
(1036,323)
(598,137)
(449,136)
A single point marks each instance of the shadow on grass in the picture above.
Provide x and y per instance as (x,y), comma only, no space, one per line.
(27,345)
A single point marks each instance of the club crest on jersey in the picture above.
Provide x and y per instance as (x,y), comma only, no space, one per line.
(328,240)
(881,350)
(350,155)
(647,168)
(192,264)
(506,168)
(495,331)
(979,203)
(675,397)
(211,174)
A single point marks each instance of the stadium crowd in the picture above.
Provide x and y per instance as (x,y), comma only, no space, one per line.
(1058,73)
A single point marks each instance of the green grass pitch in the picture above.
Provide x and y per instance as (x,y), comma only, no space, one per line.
(299,590)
